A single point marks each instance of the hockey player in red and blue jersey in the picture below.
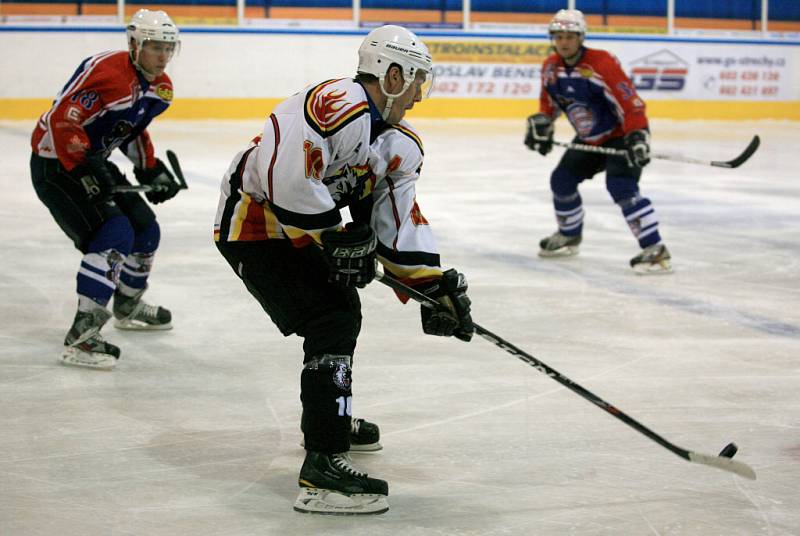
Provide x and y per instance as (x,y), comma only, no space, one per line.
(600,102)
(107,104)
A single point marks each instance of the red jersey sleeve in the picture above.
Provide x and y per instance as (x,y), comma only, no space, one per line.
(622,93)
(84,99)
(546,104)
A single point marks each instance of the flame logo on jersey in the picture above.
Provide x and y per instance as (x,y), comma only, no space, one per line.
(328,112)
(416,215)
(314,161)
(326,106)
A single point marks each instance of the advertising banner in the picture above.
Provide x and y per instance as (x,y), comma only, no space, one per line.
(659,70)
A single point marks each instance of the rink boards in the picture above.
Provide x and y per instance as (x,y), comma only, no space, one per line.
(239,73)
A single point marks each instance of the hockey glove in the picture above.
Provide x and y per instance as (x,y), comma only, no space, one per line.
(539,136)
(350,254)
(95,177)
(637,143)
(160,179)
(453,318)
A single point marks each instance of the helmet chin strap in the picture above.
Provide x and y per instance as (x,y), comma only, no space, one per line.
(135,59)
(390,97)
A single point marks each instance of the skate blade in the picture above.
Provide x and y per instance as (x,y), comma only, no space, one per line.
(74,357)
(323,501)
(566,251)
(367,447)
(646,268)
(358,449)
(134,325)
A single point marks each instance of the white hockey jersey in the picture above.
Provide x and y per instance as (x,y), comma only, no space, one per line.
(314,158)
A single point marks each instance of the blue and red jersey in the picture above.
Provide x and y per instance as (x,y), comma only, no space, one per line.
(106,104)
(595,94)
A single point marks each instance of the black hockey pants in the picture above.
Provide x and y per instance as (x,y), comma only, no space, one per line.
(292,286)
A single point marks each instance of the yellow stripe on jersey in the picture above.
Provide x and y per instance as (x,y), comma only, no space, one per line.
(410,272)
(411,134)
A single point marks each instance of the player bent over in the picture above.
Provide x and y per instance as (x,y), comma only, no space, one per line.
(337,144)
(108,103)
(600,102)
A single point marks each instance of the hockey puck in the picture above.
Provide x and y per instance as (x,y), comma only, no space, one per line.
(729,451)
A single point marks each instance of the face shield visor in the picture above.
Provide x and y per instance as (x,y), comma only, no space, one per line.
(155,46)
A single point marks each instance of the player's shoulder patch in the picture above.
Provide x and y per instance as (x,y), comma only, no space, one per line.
(332,105)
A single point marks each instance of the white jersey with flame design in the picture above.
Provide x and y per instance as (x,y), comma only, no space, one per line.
(314,158)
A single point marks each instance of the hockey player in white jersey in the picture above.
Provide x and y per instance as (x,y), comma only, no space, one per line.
(341,143)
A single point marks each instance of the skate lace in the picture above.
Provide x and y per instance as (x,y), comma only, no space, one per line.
(343,463)
(145,310)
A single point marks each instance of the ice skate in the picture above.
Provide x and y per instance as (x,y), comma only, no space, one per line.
(132,313)
(331,485)
(652,260)
(84,346)
(364,436)
(559,245)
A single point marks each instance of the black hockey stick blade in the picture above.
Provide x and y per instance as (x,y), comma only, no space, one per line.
(720,462)
(176,168)
(742,158)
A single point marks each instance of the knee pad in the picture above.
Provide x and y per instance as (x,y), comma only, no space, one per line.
(563,183)
(116,233)
(147,240)
(332,332)
(622,189)
(327,397)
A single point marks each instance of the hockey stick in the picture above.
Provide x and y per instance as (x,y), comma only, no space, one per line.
(734,163)
(722,461)
(176,168)
(144,188)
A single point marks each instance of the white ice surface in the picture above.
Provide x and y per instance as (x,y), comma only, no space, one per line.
(196,431)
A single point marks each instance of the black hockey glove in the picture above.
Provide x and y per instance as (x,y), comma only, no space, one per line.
(454,317)
(637,143)
(539,136)
(351,254)
(96,177)
(160,179)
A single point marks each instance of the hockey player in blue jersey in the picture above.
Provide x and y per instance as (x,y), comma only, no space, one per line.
(599,100)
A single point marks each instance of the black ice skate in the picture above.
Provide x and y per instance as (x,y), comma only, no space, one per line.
(84,346)
(134,314)
(652,260)
(364,436)
(559,245)
(330,485)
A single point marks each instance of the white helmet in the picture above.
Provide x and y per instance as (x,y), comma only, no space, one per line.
(568,20)
(389,45)
(149,25)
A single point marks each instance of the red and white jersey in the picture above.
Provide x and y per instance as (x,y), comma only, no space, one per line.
(106,104)
(406,244)
(315,158)
(596,95)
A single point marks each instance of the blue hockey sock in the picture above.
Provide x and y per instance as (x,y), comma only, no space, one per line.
(569,214)
(98,274)
(137,266)
(642,219)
